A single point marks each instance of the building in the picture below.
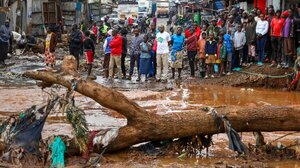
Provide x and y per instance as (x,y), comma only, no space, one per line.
(262,4)
(30,16)
(99,8)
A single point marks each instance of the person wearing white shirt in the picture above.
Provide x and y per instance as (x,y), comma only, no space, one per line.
(262,28)
(163,40)
(239,41)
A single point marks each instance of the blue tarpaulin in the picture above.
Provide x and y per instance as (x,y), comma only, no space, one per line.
(219,4)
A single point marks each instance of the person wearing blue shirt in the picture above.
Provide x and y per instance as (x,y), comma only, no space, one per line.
(145,58)
(107,51)
(229,48)
(176,55)
(5,36)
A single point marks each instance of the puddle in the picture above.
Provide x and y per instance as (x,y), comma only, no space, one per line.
(222,95)
(14,99)
(24,68)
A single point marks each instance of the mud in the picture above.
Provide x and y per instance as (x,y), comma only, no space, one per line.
(187,97)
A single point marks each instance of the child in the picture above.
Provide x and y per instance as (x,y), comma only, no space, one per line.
(201,46)
(89,50)
(239,41)
(228,57)
(211,53)
(221,54)
(145,61)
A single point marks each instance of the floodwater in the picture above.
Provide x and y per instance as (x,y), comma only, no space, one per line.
(186,97)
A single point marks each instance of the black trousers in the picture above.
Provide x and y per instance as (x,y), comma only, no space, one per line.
(238,54)
(123,67)
(76,52)
(4,51)
(192,57)
(134,58)
(276,48)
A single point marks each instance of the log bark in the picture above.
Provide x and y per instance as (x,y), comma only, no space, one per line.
(145,126)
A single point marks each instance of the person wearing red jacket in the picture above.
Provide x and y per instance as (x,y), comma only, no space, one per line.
(116,52)
(192,48)
(187,33)
(197,31)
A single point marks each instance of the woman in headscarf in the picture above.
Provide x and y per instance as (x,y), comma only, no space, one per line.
(51,41)
(176,56)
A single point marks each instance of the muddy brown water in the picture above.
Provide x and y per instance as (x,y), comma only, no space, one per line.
(14,99)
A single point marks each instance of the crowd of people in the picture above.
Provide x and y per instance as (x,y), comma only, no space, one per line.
(227,42)
(239,39)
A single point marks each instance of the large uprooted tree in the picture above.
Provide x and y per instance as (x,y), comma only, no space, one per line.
(145,126)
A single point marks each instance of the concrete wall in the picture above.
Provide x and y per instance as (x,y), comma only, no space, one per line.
(13,15)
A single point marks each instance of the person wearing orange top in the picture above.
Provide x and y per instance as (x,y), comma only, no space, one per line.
(201,46)
(197,33)
(277,24)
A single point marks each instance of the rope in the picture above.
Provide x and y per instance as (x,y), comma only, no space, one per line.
(267,76)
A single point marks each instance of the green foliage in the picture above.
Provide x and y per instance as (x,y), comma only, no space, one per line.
(76,117)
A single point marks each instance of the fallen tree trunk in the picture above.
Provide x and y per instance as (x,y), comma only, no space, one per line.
(145,126)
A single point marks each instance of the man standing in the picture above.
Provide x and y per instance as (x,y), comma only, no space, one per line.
(60,31)
(135,51)
(116,52)
(89,50)
(230,26)
(192,48)
(251,38)
(288,35)
(107,51)
(95,32)
(213,28)
(163,41)
(151,37)
(75,43)
(5,35)
(124,51)
(103,29)
(277,24)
